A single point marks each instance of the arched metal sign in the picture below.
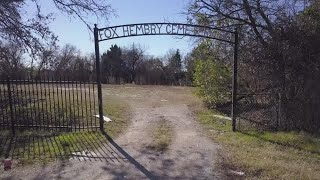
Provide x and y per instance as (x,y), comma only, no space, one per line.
(148,29)
(145,29)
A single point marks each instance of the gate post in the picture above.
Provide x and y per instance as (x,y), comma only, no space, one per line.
(10,107)
(96,45)
(234,80)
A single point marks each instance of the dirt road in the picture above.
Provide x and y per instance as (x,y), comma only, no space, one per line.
(189,156)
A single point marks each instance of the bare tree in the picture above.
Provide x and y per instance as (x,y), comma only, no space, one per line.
(34,34)
(63,63)
(46,58)
(133,56)
(11,63)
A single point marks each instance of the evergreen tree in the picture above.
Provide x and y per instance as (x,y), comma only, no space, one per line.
(175,62)
(174,67)
(112,64)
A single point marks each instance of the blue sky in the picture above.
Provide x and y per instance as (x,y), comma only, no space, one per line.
(73,31)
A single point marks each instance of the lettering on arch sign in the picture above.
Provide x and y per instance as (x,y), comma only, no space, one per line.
(143,29)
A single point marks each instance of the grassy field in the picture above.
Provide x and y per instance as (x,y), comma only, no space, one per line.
(263,155)
(119,112)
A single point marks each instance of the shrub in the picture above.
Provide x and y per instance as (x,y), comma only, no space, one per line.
(213,81)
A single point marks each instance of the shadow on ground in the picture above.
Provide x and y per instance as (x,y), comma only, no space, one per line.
(88,146)
(103,158)
(84,147)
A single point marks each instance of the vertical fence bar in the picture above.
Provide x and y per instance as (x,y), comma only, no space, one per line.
(43,121)
(34,104)
(234,80)
(78,114)
(38,106)
(96,44)
(46,96)
(14,101)
(34,119)
(69,103)
(50,101)
(2,106)
(19,99)
(279,111)
(23,100)
(11,107)
(94,102)
(55,94)
(63,103)
(5,99)
(90,103)
(44,100)
(8,109)
(82,108)
(73,105)
(77,99)
(86,104)
(26,101)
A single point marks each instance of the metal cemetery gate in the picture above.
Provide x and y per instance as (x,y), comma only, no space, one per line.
(64,104)
(147,29)
(47,104)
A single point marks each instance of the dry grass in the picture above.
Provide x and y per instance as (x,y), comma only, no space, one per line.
(264,155)
(162,134)
(119,112)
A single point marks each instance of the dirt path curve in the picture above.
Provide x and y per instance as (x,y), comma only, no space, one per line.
(190,155)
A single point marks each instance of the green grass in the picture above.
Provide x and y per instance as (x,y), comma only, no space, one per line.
(162,134)
(119,112)
(31,147)
(264,155)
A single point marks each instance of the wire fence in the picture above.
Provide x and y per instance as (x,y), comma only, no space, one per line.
(47,104)
(258,111)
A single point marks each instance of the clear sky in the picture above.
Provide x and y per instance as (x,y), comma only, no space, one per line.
(75,32)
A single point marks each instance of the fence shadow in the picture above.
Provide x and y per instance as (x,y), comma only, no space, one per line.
(127,156)
(81,146)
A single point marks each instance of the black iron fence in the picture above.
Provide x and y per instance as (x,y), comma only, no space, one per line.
(258,111)
(47,104)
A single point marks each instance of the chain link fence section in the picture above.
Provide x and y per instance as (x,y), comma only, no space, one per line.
(258,111)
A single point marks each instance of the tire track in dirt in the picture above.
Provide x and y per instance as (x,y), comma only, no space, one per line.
(190,155)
